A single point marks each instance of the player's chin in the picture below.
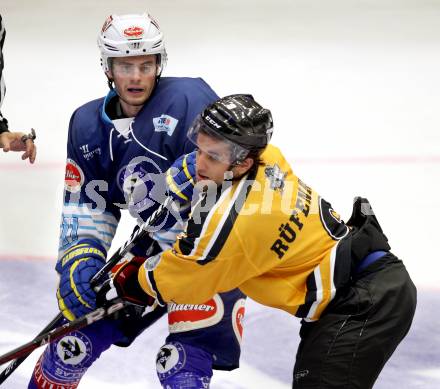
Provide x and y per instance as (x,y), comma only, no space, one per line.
(202,177)
(137,96)
(137,100)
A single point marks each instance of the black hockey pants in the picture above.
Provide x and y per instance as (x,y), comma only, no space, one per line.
(359,330)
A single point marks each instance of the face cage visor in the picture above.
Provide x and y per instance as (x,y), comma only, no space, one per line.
(215,145)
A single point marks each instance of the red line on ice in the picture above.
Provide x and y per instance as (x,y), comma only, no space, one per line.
(362,160)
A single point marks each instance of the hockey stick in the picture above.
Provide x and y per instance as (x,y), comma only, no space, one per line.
(18,361)
(135,237)
(59,332)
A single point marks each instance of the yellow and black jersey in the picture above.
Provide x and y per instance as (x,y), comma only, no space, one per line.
(269,234)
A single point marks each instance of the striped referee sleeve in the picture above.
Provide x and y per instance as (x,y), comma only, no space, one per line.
(3,121)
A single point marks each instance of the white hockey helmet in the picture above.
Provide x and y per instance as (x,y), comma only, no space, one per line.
(131,35)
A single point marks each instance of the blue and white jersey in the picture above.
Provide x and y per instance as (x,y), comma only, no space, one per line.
(115,164)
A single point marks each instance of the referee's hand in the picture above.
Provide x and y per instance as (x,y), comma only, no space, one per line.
(19,141)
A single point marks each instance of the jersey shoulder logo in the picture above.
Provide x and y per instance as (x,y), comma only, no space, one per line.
(87,154)
(74,177)
(331,221)
(276,177)
(165,123)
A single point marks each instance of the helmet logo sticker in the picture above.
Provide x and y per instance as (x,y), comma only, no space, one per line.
(212,121)
(134,32)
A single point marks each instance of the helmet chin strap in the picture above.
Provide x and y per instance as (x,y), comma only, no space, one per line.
(229,174)
(110,83)
(238,162)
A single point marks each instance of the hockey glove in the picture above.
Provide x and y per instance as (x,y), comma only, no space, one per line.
(124,285)
(181,178)
(76,268)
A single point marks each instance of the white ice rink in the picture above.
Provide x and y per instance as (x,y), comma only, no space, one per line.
(354,88)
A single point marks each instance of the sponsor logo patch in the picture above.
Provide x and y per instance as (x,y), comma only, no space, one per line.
(165,123)
(74,176)
(72,350)
(186,317)
(301,374)
(87,154)
(44,382)
(331,220)
(237,318)
(170,359)
(134,32)
(335,215)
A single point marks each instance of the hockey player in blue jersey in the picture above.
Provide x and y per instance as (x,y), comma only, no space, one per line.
(117,148)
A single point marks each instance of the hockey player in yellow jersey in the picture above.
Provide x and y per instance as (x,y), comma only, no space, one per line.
(255,225)
(258,237)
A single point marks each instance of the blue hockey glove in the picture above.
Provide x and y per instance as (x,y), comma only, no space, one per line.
(181,178)
(76,268)
(124,285)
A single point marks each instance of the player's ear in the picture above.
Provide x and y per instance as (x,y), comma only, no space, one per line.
(242,167)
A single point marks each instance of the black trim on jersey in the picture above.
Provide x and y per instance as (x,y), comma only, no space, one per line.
(160,300)
(230,220)
(193,230)
(186,245)
(310,298)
